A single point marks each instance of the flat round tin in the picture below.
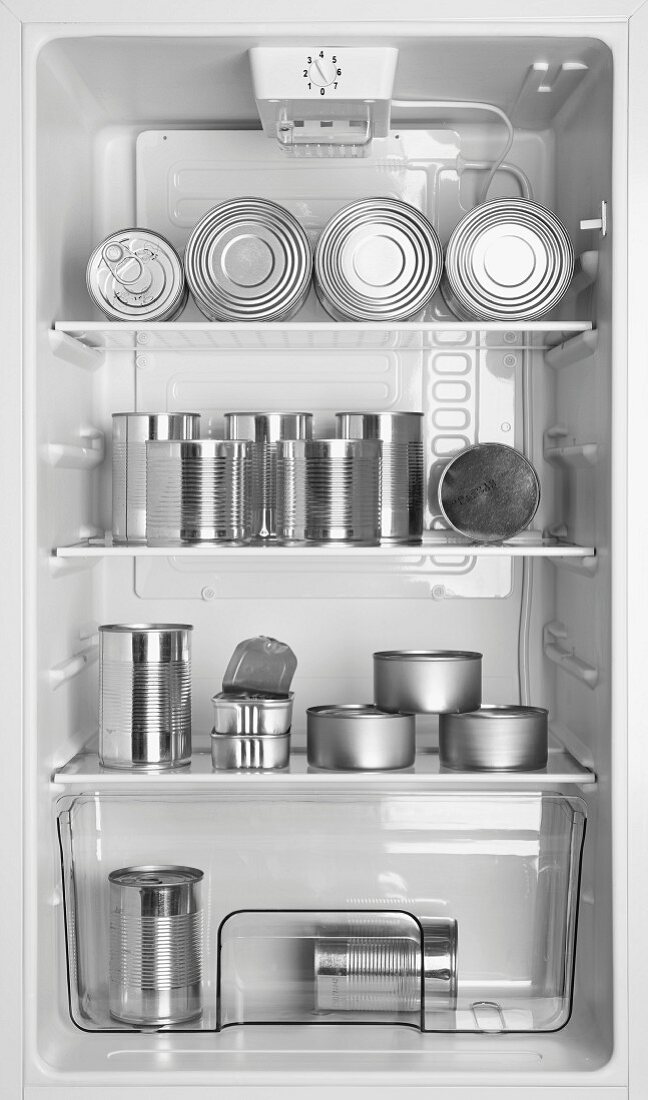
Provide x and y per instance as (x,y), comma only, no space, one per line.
(377,259)
(494,738)
(489,492)
(359,737)
(508,258)
(135,274)
(248,260)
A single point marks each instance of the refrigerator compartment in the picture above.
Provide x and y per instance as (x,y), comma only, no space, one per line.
(512,888)
(322,967)
(359,737)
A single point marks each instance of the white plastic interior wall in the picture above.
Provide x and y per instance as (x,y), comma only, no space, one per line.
(133,128)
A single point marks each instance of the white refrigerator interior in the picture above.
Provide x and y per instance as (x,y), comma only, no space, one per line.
(152,126)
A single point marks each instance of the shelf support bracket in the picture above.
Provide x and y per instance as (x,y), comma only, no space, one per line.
(554,635)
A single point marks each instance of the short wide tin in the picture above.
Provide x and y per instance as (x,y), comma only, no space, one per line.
(494,738)
(427,681)
(359,737)
(252,715)
(237,752)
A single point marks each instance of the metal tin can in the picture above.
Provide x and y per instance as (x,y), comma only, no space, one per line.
(489,492)
(401,505)
(359,736)
(130,432)
(136,275)
(494,738)
(343,490)
(248,260)
(290,515)
(198,491)
(155,945)
(251,714)
(266,430)
(145,695)
(242,752)
(427,681)
(369,967)
(377,260)
(507,258)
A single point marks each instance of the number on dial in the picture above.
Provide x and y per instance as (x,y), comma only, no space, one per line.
(322,71)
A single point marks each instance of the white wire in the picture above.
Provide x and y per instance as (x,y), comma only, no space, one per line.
(469,105)
(523,180)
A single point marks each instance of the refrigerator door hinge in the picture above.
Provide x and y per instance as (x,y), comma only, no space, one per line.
(598,223)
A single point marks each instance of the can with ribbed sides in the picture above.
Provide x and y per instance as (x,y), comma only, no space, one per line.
(343,490)
(248,259)
(266,430)
(145,695)
(155,945)
(507,259)
(136,275)
(401,506)
(130,432)
(377,260)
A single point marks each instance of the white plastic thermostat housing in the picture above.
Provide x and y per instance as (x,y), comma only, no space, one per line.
(316,98)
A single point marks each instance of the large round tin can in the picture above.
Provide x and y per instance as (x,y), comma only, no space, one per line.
(489,492)
(248,260)
(494,738)
(401,504)
(343,490)
(377,260)
(359,737)
(198,491)
(507,259)
(427,681)
(155,945)
(130,432)
(266,430)
(145,695)
(136,275)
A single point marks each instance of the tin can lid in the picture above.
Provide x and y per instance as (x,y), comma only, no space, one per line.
(260,666)
(135,274)
(489,492)
(356,711)
(153,876)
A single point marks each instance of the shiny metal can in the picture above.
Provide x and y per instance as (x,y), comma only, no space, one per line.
(427,681)
(249,752)
(145,696)
(198,491)
(248,259)
(252,714)
(401,504)
(489,492)
(359,737)
(507,259)
(266,430)
(494,738)
(343,479)
(155,945)
(290,514)
(136,275)
(371,966)
(377,260)
(130,432)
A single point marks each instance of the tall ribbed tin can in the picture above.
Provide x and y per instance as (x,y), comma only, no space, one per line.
(343,490)
(145,695)
(507,258)
(266,430)
(130,433)
(377,260)
(401,506)
(248,260)
(155,945)
(290,516)
(199,491)
(136,275)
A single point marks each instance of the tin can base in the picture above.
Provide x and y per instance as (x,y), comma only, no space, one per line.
(130,767)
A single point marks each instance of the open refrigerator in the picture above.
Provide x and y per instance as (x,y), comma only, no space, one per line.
(116,118)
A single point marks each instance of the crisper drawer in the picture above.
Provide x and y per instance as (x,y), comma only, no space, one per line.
(452,911)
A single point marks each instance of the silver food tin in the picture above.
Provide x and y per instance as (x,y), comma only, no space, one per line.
(136,275)
(238,752)
(245,714)
(427,681)
(248,260)
(155,945)
(145,695)
(489,492)
(359,737)
(507,258)
(266,430)
(369,967)
(260,666)
(377,260)
(290,515)
(343,480)
(401,505)
(494,738)
(130,433)
(198,491)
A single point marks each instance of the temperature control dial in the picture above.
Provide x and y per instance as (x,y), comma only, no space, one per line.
(322,71)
